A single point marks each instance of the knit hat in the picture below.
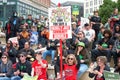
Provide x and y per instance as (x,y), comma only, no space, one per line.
(81,44)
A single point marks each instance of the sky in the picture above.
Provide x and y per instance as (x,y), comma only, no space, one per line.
(61,1)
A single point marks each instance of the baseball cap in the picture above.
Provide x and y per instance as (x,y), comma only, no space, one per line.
(81,44)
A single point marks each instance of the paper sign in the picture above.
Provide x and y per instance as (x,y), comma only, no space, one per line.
(84,21)
(14,40)
(60,23)
(111,76)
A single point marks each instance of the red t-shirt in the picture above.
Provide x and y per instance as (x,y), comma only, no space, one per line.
(38,70)
(70,72)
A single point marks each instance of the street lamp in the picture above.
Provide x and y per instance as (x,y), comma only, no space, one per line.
(4,11)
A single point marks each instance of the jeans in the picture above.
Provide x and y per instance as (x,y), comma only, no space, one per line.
(82,69)
(5,78)
(15,78)
(49,52)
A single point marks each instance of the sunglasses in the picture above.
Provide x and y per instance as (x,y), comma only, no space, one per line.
(4,57)
(70,58)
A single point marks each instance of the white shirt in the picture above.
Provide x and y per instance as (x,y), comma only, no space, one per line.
(89,34)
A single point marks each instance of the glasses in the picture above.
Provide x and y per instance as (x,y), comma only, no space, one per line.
(4,57)
(70,58)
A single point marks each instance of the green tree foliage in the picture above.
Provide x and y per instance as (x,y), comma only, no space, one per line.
(118,4)
(106,10)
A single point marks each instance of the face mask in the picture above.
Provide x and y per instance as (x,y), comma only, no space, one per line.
(15,14)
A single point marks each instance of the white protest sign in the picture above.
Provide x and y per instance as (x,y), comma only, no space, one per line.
(14,40)
(60,23)
(84,21)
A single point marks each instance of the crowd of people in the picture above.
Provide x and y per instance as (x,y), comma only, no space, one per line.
(91,48)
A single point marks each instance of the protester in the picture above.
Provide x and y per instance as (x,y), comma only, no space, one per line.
(51,47)
(114,19)
(98,71)
(95,23)
(21,41)
(104,48)
(89,34)
(8,30)
(25,33)
(14,24)
(70,68)
(116,31)
(117,68)
(34,36)
(116,50)
(29,52)
(5,67)
(22,67)
(11,51)
(84,59)
(29,21)
(39,67)
(100,34)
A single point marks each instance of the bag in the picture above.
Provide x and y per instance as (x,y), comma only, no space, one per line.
(27,77)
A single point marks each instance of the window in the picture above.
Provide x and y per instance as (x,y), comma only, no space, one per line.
(87,4)
(95,8)
(100,2)
(91,10)
(95,2)
(1,11)
(87,11)
(91,3)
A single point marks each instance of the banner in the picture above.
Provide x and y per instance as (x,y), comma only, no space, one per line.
(75,9)
(60,23)
(111,76)
(14,40)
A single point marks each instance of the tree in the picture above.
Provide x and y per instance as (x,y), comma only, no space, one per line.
(118,4)
(106,10)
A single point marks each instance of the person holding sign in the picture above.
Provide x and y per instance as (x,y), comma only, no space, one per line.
(70,67)
(97,72)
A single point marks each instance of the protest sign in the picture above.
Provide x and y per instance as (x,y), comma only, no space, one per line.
(14,40)
(111,76)
(60,23)
(84,21)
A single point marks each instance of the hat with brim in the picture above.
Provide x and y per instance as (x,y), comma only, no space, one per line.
(81,44)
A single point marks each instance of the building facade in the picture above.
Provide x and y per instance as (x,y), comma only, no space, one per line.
(23,7)
(90,6)
(76,8)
